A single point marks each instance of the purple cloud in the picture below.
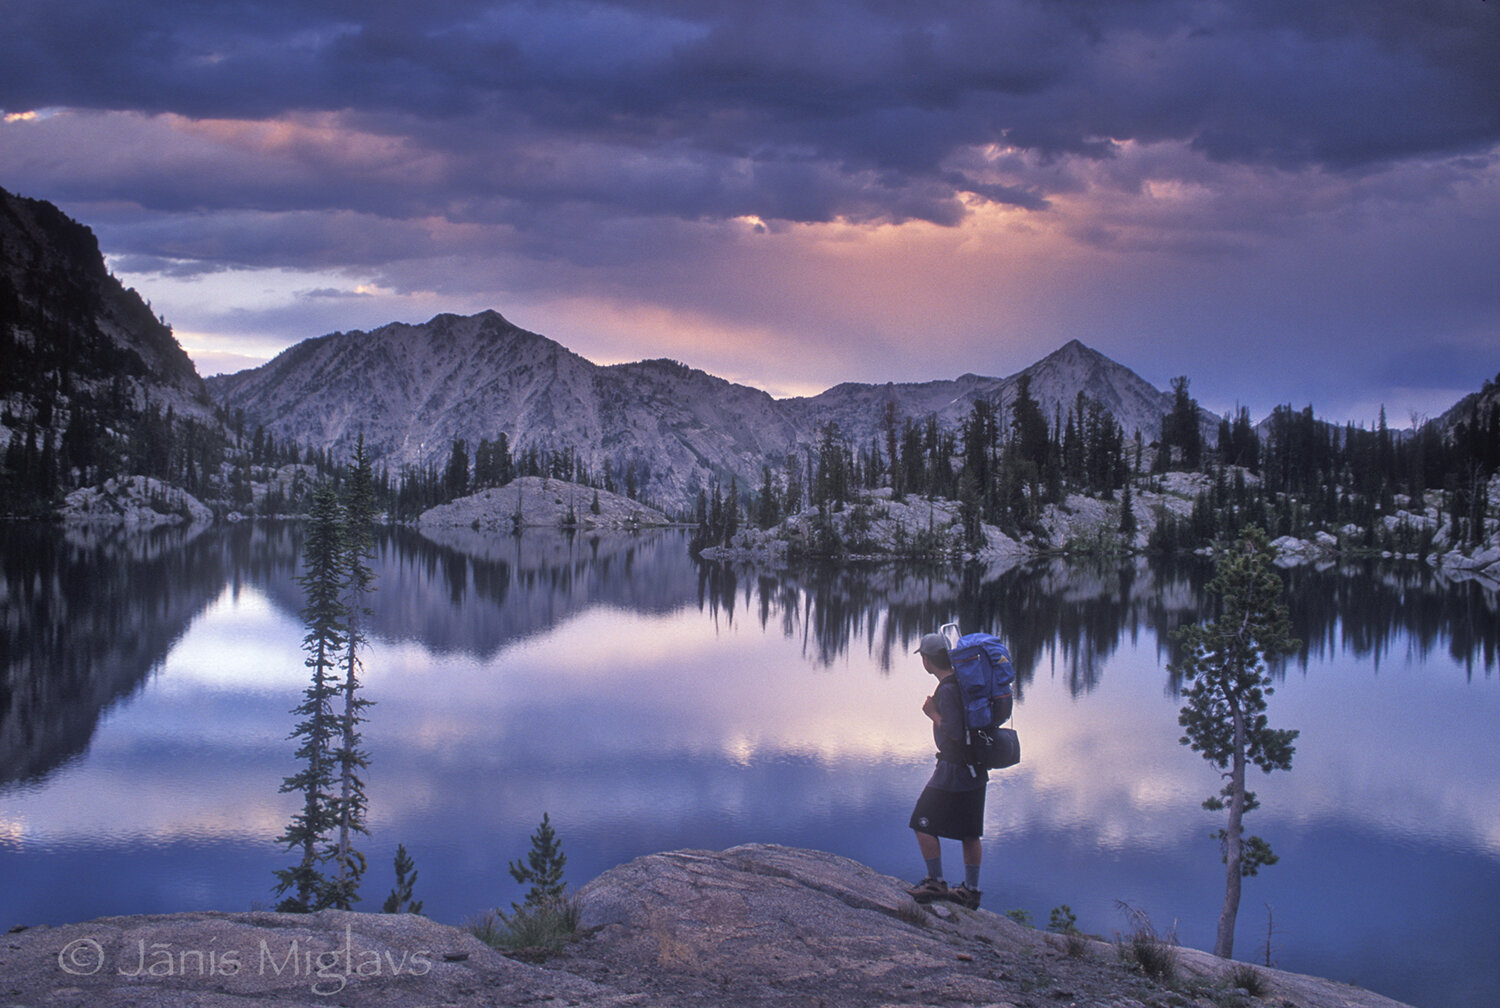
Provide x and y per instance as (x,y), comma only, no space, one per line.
(1153,171)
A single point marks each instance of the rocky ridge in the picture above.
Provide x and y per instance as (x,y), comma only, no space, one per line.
(76,344)
(675,428)
(541,503)
(756,925)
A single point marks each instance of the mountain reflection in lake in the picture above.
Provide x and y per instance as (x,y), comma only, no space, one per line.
(647,702)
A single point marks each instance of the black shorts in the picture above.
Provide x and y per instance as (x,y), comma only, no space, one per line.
(957,815)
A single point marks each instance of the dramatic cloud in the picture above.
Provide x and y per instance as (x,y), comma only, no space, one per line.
(1277,198)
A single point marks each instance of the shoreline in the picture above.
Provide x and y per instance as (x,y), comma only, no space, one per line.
(748,927)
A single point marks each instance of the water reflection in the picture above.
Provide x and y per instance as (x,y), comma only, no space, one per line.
(1080,613)
(87,614)
(460,590)
(882,607)
(1370,609)
(649,702)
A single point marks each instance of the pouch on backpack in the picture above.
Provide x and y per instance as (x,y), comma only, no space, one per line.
(985,675)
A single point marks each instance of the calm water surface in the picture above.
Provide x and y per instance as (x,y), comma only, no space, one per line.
(649,703)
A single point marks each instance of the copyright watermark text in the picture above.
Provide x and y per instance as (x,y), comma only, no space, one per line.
(327,971)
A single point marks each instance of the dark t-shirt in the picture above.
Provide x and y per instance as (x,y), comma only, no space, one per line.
(948,736)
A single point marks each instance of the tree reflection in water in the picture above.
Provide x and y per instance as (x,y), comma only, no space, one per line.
(1083,609)
(89,613)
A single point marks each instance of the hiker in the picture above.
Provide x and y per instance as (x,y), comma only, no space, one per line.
(952,803)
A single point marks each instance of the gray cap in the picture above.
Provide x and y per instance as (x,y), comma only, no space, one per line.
(932,645)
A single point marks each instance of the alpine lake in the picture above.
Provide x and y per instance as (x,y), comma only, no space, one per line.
(646,701)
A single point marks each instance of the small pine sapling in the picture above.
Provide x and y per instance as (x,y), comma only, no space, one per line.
(543,868)
(400,901)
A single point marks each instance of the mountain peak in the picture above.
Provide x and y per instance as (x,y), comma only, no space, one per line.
(674,426)
(1076,349)
(488,316)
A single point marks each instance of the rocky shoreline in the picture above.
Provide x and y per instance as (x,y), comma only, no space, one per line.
(754,926)
(538,502)
(880,527)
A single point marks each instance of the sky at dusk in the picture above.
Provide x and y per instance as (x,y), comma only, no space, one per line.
(1287,201)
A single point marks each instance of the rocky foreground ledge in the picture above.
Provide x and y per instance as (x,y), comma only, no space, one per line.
(752,926)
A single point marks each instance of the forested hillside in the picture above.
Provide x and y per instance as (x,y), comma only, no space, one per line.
(1021,475)
(1075,452)
(92,384)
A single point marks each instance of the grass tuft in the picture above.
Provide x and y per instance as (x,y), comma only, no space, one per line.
(913,913)
(1153,954)
(534,929)
(1248,979)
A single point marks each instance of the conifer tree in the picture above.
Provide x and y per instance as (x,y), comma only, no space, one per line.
(792,497)
(732,510)
(888,418)
(1029,437)
(1224,719)
(969,511)
(399,900)
(1127,515)
(456,475)
(543,868)
(767,506)
(324,614)
(1180,427)
(348,757)
(981,437)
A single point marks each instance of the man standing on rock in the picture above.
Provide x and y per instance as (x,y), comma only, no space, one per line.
(952,803)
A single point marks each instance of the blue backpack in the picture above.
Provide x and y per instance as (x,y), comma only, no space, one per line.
(985,675)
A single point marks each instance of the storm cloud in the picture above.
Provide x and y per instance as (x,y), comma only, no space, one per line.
(632,154)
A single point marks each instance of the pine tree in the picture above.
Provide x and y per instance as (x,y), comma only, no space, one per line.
(732,510)
(543,868)
(456,475)
(322,582)
(1127,515)
(970,512)
(400,901)
(767,506)
(1028,426)
(1224,719)
(981,437)
(348,757)
(888,418)
(1180,427)
(505,469)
